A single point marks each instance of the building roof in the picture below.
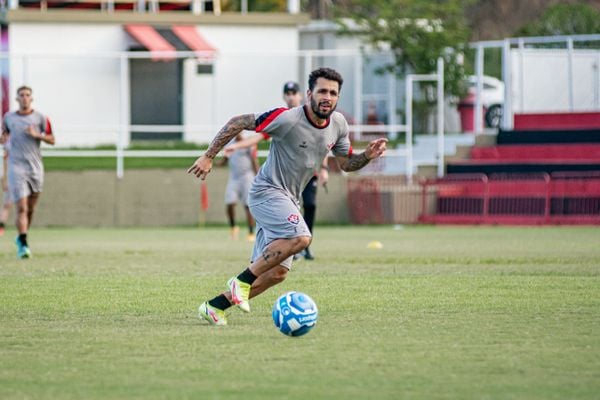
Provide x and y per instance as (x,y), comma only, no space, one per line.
(166,18)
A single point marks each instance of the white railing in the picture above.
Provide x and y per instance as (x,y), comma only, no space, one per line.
(399,160)
(120,155)
(63,82)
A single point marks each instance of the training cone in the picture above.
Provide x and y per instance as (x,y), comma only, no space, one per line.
(375,244)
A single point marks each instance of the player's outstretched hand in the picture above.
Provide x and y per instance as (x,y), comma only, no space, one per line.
(201,167)
(376,148)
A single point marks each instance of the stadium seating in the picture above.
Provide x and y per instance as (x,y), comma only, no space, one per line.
(546,136)
(557,120)
(530,151)
(573,153)
(528,177)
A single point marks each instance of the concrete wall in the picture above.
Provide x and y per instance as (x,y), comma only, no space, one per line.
(152,198)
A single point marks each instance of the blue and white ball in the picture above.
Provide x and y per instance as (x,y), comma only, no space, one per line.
(295,313)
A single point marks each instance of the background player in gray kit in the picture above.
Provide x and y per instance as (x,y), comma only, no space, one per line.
(301,138)
(26,128)
(243,167)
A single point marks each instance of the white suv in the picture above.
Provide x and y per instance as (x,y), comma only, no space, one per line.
(492,98)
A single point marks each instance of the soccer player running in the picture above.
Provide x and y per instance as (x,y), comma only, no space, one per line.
(302,137)
(293,98)
(26,129)
(243,167)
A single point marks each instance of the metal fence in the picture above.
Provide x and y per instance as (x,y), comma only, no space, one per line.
(383,200)
(540,198)
(527,199)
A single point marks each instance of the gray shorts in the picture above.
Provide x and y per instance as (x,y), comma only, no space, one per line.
(22,182)
(277,218)
(237,190)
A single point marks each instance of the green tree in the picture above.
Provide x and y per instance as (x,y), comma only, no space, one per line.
(564,19)
(417,32)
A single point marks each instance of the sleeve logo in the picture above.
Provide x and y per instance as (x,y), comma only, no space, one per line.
(293,219)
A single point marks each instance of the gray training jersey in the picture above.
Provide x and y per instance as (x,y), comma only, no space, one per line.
(24,149)
(297,149)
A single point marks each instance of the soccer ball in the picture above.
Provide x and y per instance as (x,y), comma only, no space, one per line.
(294,314)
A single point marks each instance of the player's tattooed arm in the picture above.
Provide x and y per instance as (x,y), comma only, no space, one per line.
(203,165)
(354,162)
(234,126)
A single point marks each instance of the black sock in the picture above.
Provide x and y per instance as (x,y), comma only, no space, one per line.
(247,276)
(309,216)
(23,239)
(220,302)
(1,224)
(251,229)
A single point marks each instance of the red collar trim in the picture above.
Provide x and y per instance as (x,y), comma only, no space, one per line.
(311,121)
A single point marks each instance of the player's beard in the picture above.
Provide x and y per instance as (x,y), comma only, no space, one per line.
(315,108)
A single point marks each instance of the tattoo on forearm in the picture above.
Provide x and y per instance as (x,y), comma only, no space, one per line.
(356,162)
(234,126)
(269,255)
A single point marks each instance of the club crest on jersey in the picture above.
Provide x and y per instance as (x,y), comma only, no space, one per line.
(293,219)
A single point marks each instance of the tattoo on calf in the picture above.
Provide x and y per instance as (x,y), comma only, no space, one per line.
(268,255)
(234,126)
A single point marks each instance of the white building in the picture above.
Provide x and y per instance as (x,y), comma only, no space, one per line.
(99,76)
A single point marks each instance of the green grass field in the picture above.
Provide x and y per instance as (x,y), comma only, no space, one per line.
(438,313)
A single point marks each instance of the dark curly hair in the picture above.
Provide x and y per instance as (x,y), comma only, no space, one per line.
(24,87)
(327,73)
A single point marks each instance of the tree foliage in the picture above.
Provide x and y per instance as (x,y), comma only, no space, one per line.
(417,32)
(564,19)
